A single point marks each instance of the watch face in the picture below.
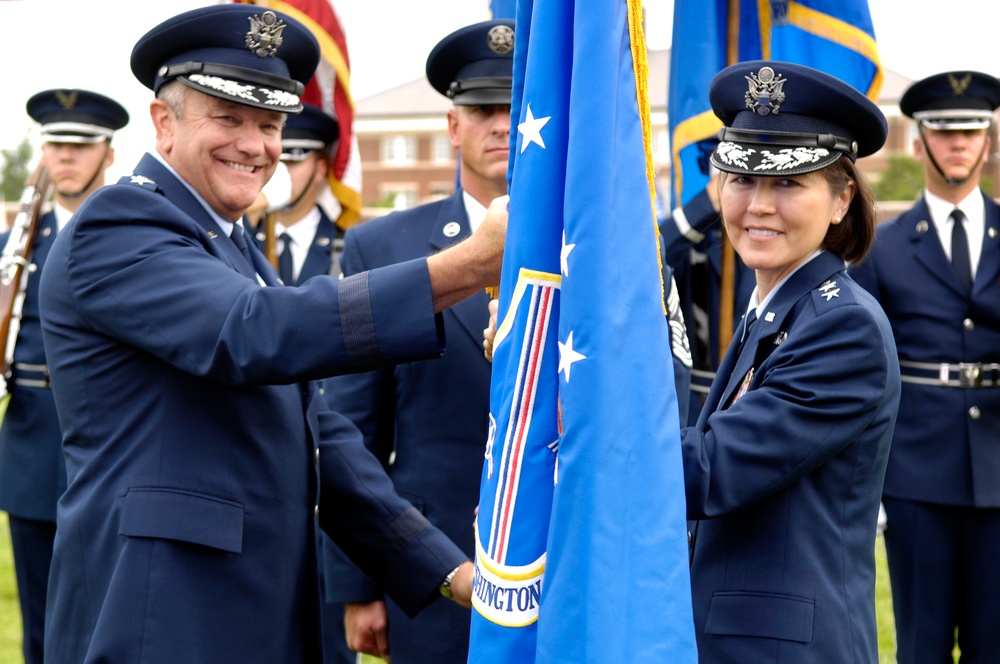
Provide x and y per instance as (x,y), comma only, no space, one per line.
(445,586)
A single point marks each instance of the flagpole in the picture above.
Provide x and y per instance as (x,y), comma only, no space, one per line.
(728,268)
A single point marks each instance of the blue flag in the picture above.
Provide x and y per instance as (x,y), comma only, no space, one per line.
(581,531)
(835,36)
(502,8)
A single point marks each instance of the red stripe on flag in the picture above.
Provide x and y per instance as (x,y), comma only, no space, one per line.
(537,343)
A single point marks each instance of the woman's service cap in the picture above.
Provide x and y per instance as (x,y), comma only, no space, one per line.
(783,118)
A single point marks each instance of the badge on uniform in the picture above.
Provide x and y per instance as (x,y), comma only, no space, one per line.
(744,387)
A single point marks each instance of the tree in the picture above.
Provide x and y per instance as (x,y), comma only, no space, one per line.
(15,170)
(902,180)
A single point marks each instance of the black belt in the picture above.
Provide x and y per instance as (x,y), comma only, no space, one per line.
(31,375)
(943,374)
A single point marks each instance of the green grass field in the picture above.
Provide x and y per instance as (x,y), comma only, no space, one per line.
(10,618)
(10,612)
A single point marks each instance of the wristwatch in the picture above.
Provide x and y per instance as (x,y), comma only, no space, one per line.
(445,586)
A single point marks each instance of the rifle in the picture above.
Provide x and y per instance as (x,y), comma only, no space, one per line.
(270,242)
(15,265)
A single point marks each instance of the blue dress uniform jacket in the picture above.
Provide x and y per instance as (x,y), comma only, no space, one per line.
(323,256)
(32,470)
(434,415)
(195,455)
(946,449)
(786,478)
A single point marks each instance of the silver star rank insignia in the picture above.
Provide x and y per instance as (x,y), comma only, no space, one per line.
(829,290)
(140,180)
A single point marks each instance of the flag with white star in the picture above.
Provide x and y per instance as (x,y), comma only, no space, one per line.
(581,530)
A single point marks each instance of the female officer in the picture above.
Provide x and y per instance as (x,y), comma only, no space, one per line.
(784,467)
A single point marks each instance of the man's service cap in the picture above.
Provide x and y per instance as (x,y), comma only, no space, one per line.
(242,53)
(76,116)
(783,118)
(952,100)
(474,65)
(312,129)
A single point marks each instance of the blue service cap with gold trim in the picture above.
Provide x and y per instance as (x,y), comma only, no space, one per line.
(239,52)
(474,65)
(312,129)
(785,119)
(76,116)
(954,100)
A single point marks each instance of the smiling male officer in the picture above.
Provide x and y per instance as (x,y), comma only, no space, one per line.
(196,444)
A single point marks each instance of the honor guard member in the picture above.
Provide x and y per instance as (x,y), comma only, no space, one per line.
(936,271)
(200,455)
(784,468)
(76,131)
(307,242)
(431,417)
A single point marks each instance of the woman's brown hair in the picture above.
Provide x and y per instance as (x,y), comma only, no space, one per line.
(853,236)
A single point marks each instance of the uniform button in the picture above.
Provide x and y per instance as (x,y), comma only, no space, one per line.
(317,456)
(968,325)
(316,512)
(974,413)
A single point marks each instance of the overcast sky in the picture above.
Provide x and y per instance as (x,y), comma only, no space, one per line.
(87,45)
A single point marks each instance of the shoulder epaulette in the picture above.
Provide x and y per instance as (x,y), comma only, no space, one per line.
(831,294)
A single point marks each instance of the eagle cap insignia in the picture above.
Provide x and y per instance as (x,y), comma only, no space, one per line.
(959,85)
(500,39)
(265,37)
(67,99)
(765,94)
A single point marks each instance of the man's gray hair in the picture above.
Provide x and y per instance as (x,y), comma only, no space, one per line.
(174,94)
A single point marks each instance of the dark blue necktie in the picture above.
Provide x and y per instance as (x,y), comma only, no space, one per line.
(241,243)
(285,261)
(960,250)
(751,318)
